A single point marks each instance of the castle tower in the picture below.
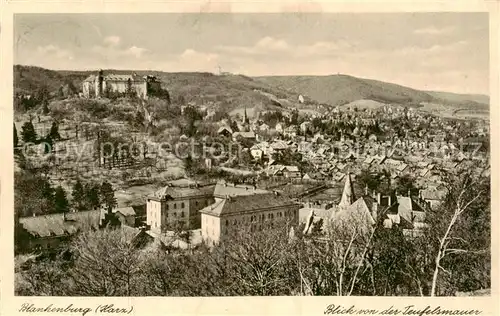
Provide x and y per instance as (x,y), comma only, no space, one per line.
(348,193)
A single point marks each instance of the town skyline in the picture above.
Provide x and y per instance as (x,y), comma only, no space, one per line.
(444,51)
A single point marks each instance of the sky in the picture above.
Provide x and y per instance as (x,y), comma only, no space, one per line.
(428,51)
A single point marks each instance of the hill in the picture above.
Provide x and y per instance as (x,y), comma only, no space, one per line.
(233,93)
(343,89)
(227,93)
(458,97)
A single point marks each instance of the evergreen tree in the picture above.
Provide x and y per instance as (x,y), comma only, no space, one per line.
(60,200)
(92,196)
(78,196)
(16,138)
(28,133)
(54,131)
(45,108)
(108,195)
(139,118)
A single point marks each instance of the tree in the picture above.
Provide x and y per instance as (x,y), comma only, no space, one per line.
(106,264)
(33,194)
(45,107)
(61,203)
(78,196)
(466,193)
(92,196)
(43,278)
(108,196)
(16,138)
(54,131)
(139,118)
(28,133)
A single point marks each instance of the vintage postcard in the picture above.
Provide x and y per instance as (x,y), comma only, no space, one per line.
(243,158)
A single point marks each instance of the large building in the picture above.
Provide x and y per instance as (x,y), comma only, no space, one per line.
(99,85)
(249,213)
(176,204)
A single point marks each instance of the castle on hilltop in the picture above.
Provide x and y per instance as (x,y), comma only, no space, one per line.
(100,85)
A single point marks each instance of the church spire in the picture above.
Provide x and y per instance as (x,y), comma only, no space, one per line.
(245,117)
(348,193)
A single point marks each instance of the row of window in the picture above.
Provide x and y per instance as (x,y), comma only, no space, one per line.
(196,203)
(260,217)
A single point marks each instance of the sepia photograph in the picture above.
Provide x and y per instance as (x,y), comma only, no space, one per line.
(252,154)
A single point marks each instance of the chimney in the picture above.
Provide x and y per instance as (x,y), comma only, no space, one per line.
(389,200)
(379,198)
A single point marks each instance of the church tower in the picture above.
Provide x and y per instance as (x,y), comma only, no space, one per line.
(348,193)
(245,117)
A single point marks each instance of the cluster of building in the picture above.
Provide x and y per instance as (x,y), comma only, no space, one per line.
(217,212)
(362,212)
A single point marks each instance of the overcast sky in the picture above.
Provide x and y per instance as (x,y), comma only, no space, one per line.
(442,51)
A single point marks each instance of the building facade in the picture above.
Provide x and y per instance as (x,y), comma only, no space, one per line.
(248,214)
(173,205)
(100,85)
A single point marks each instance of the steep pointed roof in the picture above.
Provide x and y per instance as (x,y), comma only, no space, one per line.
(348,193)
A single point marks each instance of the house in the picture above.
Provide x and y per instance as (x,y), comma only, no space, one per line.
(179,203)
(305,126)
(244,135)
(435,196)
(278,146)
(50,232)
(264,127)
(257,154)
(291,172)
(279,128)
(225,131)
(126,215)
(247,213)
(99,85)
(290,131)
(411,213)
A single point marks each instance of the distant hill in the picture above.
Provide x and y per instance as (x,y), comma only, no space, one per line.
(28,79)
(479,98)
(343,89)
(232,93)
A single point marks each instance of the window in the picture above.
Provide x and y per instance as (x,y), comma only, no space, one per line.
(175,214)
(227,222)
(166,206)
(182,205)
(182,214)
(196,203)
(175,205)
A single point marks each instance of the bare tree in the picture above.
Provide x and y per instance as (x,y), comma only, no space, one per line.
(465,191)
(106,264)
